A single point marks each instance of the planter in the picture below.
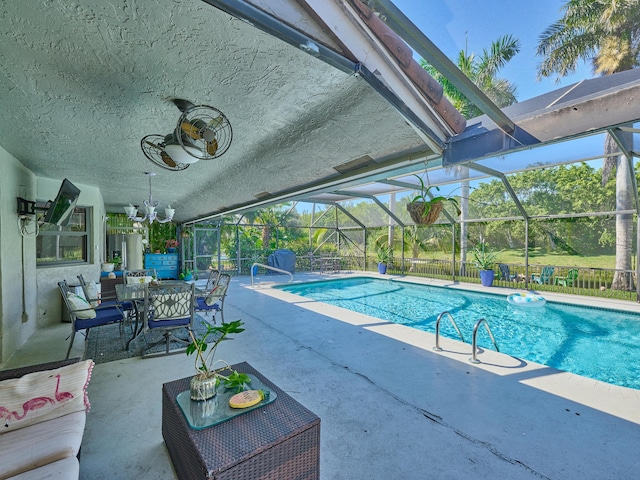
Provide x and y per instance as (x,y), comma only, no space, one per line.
(382,268)
(486,277)
(171,250)
(416,211)
(108,267)
(188,278)
(203,387)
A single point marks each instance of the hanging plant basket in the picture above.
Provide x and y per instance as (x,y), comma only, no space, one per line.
(420,215)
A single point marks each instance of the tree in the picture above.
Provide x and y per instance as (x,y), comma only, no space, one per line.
(483,72)
(606,33)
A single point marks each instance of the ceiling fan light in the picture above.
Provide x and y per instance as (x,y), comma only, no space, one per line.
(188,153)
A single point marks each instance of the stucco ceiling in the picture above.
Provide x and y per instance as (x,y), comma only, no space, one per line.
(83,81)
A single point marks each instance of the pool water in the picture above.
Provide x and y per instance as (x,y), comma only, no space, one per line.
(597,343)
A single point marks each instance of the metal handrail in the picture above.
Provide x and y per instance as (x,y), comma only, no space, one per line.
(474,343)
(455,325)
(268,267)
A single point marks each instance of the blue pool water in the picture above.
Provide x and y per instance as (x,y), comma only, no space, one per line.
(596,343)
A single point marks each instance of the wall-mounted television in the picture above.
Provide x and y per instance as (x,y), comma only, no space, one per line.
(60,210)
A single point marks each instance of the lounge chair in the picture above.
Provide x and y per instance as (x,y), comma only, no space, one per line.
(505,274)
(544,277)
(569,280)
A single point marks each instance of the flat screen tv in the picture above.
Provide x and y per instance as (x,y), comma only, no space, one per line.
(60,210)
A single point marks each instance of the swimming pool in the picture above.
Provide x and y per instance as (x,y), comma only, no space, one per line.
(597,343)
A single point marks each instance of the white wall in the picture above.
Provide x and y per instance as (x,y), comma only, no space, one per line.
(29,297)
(18,304)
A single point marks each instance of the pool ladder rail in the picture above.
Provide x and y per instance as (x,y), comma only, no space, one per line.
(474,341)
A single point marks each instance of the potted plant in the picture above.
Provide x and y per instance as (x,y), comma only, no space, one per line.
(424,208)
(384,255)
(205,383)
(187,275)
(171,245)
(117,262)
(485,258)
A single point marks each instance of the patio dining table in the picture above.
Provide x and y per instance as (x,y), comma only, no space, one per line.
(134,293)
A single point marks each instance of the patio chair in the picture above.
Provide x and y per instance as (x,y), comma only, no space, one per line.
(144,275)
(213,301)
(569,280)
(167,308)
(84,316)
(505,273)
(544,277)
(93,295)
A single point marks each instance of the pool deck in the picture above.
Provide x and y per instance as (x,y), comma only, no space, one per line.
(391,407)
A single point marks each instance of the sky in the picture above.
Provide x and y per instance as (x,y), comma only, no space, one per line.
(471,25)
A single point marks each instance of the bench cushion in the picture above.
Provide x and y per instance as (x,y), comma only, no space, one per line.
(41,444)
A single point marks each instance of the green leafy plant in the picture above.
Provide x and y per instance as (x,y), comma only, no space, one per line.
(425,208)
(485,258)
(384,254)
(116,260)
(186,274)
(205,364)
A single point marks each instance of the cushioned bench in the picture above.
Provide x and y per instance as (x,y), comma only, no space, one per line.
(42,418)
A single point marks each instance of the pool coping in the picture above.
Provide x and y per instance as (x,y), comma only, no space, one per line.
(615,400)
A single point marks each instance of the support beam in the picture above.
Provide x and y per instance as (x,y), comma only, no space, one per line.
(417,40)
(505,182)
(378,202)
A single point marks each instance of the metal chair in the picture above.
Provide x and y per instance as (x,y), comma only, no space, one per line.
(213,301)
(167,308)
(93,296)
(144,275)
(84,316)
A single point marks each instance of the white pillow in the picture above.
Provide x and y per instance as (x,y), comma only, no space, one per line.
(43,395)
(94,293)
(84,310)
(137,280)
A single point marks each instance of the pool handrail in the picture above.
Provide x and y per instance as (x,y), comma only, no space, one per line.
(437,347)
(474,343)
(268,267)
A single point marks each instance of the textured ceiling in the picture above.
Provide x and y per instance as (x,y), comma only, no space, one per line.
(83,81)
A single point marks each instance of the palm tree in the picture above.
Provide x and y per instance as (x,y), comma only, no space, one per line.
(483,72)
(607,34)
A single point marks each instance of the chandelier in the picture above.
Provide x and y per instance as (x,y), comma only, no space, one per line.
(150,208)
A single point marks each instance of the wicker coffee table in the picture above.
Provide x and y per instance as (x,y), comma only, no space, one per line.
(278,441)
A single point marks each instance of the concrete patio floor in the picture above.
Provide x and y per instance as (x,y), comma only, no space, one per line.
(391,407)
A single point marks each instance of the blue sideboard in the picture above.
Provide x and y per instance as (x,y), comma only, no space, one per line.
(166,264)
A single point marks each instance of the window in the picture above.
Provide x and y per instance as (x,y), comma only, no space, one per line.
(65,245)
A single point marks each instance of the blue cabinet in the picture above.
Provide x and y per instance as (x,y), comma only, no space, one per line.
(166,264)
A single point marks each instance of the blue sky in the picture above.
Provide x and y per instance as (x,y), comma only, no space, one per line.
(455,25)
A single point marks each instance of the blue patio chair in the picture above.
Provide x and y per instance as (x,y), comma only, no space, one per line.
(213,301)
(544,277)
(85,317)
(167,308)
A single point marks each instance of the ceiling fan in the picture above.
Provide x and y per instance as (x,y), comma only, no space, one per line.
(155,148)
(204,131)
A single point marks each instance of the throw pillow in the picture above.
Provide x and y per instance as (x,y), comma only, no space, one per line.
(44,395)
(94,293)
(81,308)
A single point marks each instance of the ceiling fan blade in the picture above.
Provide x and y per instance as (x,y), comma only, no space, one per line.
(153,145)
(167,159)
(212,147)
(191,130)
(215,122)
